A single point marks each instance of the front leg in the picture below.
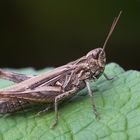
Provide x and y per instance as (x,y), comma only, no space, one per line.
(107,78)
(91,97)
(60,98)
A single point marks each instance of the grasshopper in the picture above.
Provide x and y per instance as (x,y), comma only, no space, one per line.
(57,85)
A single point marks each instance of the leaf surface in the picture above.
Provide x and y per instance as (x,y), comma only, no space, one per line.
(117,101)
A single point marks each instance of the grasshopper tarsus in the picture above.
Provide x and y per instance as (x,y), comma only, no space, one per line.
(97,115)
(107,78)
(54,124)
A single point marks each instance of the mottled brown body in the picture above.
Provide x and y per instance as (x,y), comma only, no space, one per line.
(56,85)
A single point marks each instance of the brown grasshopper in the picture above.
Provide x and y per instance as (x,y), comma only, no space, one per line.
(52,87)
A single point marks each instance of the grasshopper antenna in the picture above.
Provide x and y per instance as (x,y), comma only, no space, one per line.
(111,30)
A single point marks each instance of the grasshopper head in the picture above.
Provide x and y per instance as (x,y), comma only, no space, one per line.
(96,60)
(97,57)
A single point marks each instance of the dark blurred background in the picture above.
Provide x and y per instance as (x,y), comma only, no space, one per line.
(53,32)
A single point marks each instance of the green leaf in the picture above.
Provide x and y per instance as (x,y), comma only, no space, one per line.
(117,101)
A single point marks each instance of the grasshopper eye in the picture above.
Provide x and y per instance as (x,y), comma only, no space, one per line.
(95,55)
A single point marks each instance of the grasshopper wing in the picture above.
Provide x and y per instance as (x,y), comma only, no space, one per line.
(38,80)
(41,94)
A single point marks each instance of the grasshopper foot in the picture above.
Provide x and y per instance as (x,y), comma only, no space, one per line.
(54,124)
(97,115)
(108,78)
